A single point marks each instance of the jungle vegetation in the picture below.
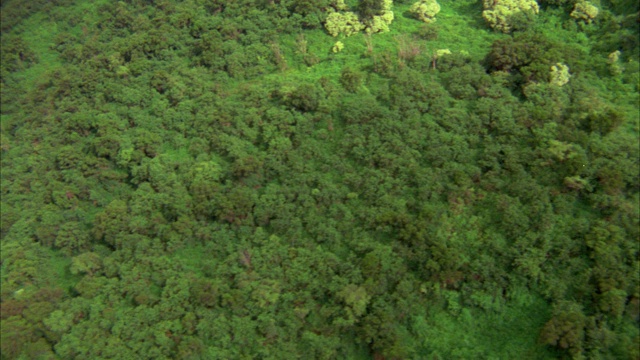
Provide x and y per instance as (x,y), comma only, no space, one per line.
(320,179)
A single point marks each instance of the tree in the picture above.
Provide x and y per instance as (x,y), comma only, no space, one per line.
(351,79)
(566,328)
(356,299)
(425,10)
(305,98)
(376,15)
(559,74)
(585,11)
(346,23)
(112,222)
(86,263)
(505,15)
(307,7)
(370,8)
(72,238)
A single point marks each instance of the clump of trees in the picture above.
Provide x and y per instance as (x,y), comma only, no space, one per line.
(373,16)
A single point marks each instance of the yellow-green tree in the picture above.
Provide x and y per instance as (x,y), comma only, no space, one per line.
(502,15)
(585,11)
(425,10)
(346,23)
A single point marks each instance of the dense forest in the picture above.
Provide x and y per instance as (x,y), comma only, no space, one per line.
(320,179)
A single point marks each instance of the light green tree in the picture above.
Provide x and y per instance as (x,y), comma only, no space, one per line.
(346,23)
(500,13)
(425,10)
(337,47)
(339,5)
(585,11)
(349,23)
(381,22)
(442,52)
(614,63)
(559,74)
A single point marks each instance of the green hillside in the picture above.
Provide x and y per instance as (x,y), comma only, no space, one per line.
(210,179)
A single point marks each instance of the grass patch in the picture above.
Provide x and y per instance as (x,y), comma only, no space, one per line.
(511,333)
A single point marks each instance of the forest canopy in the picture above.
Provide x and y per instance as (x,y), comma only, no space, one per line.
(320,179)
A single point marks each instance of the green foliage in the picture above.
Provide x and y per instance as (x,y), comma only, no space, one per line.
(428,32)
(208,179)
(566,328)
(356,299)
(304,98)
(16,55)
(377,15)
(530,58)
(369,9)
(351,79)
(86,263)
